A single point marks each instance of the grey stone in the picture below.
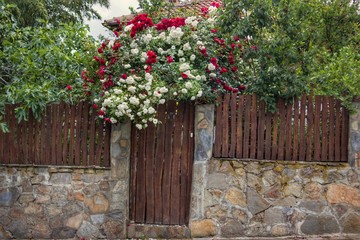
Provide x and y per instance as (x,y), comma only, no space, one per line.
(4,220)
(315,206)
(119,215)
(63,233)
(72,208)
(217,180)
(232,228)
(252,168)
(319,224)
(92,178)
(286,202)
(26,185)
(255,202)
(8,196)
(114,229)
(4,234)
(37,179)
(98,218)
(355,141)
(19,229)
(273,216)
(26,197)
(88,230)
(60,178)
(293,189)
(203,145)
(351,223)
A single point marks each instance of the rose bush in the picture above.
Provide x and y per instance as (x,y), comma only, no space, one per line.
(147,64)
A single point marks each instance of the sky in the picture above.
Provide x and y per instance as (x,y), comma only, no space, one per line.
(117,8)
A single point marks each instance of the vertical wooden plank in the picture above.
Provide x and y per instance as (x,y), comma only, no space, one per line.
(159,163)
(175,168)
(302,147)
(60,132)
(78,136)
(282,132)
(268,125)
(92,144)
(84,136)
(261,131)
(239,127)
(246,140)
(48,142)
(331,147)
(253,120)
(317,128)
(233,125)
(24,157)
(72,134)
(310,126)
(218,129)
(2,142)
(184,168)
(337,131)
(107,161)
(100,142)
(190,161)
(149,174)
(324,129)
(133,172)
(6,137)
(13,136)
(140,179)
(225,127)
(54,108)
(166,187)
(37,140)
(295,151)
(65,144)
(31,139)
(274,142)
(344,134)
(288,136)
(43,140)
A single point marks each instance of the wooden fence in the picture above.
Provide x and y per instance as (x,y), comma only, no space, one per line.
(66,135)
(161,167)
(310,129)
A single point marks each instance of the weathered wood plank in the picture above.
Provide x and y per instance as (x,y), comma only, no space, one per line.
(133,172)
(288,136)
(282,132)
(331,141)
(246,140)
(65,148)
(84,134)
(324,129)
(302,147)
(149,173)
(72,134)
(268,128)
(310,126)
(107,161)
(337,131)
(317,145)
(239,127)
(233,125)
(261,131)
(274,143)
(295,145)
(140,180)
(344,134)
(92,142)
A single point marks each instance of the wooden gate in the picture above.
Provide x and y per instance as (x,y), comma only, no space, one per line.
(161,167)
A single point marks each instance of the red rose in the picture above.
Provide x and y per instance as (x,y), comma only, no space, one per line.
(184,76)
(68,87)
(170,59)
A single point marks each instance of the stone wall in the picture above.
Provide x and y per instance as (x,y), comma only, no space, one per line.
(354,132)
(269,199)
(62,203)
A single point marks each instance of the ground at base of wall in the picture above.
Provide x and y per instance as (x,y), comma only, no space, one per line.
(324,237)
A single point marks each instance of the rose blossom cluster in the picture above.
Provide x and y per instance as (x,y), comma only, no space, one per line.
(148,64)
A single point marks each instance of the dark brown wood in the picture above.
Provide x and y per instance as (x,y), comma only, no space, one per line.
(324,129)
(288,136)
(133,173)
(338,131)
(78,136)
(344,134)
(225,127)
(295,145)
(54,112)
(302,147)
(268,128)
(48,141)
(92,139)
(218,130)
(99,144)
(149,173)
(246,139)
(239,127)
(282,132)
(169,128)
(274,143)
(233,125)
(261,131)
(331,141)
(65,149)
(59,140)
(159,164)
(23,157)
(317,145)
(175,168)
(84,135)
(309,136)
(253,120)
(12,134)
(72,135)
(140,180)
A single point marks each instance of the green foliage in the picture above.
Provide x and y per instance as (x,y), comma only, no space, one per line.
(298,42)
(37,64)
(28,12)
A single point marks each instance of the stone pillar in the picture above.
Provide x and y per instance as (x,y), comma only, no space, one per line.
(354,135)
(120,171)
(204,137)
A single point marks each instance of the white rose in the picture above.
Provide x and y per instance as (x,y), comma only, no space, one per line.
(192,57)
(211,67)
(184,90)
